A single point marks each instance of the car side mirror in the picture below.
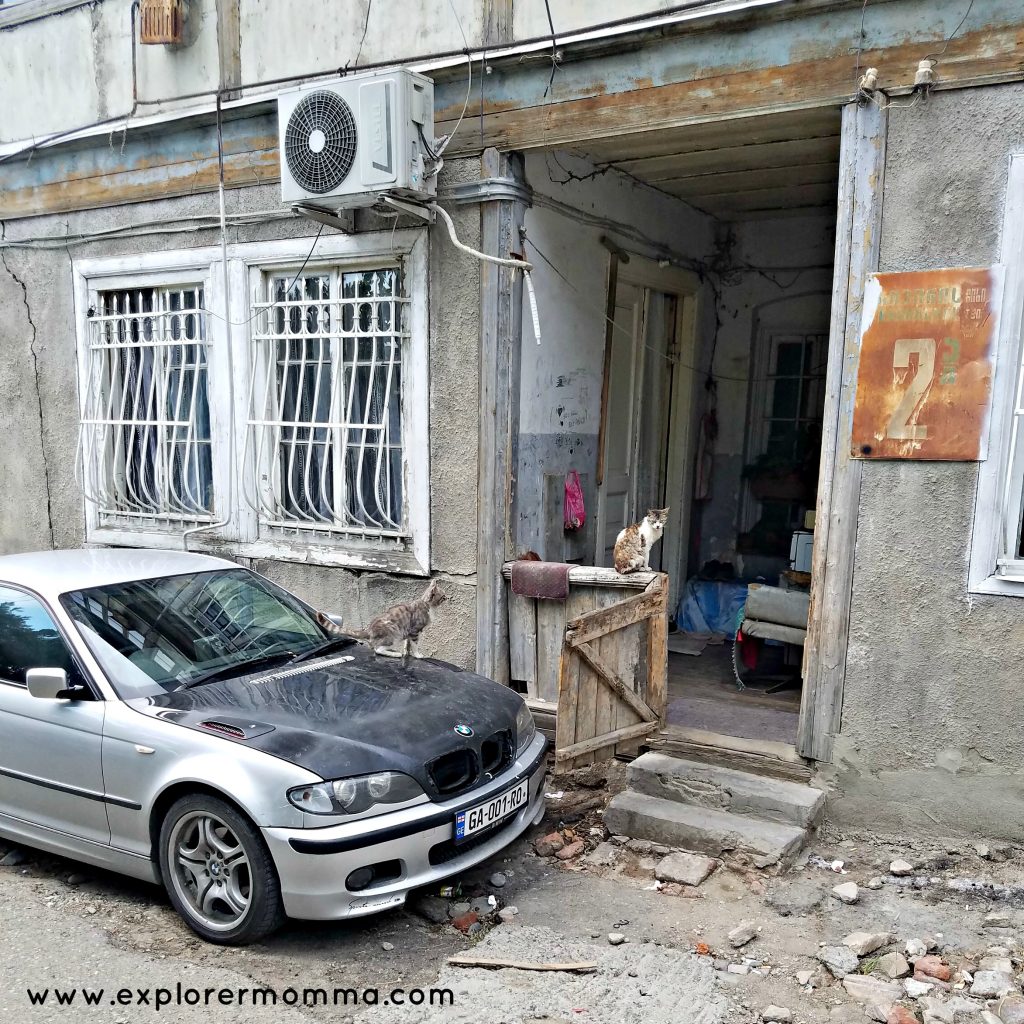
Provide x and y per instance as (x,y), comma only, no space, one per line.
(52,684)
(338,620)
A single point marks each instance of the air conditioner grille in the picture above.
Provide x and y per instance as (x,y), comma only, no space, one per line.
(320,142)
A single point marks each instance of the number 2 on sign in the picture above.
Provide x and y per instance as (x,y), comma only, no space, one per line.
(900,428)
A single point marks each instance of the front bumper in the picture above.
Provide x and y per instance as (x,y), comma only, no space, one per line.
(416,844)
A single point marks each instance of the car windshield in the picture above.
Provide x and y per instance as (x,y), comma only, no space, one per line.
(152,636)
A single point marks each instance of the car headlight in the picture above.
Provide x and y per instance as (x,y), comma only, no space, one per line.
(526,728)
(353,796)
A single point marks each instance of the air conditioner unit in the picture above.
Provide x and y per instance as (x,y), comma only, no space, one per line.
(350,141)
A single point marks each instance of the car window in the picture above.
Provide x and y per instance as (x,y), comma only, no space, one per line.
(30,639)
(155,635)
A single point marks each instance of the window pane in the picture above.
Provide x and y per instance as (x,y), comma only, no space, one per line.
(29,639)
(329,417)
(147,421)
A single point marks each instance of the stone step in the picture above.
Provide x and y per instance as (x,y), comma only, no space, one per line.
(725,789)
(701,829)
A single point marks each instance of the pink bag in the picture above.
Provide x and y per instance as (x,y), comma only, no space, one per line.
(575,514)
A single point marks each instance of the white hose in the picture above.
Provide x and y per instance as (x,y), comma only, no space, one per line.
(515,264)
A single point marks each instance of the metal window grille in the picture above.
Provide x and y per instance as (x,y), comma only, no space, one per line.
(326,422)
(145,434)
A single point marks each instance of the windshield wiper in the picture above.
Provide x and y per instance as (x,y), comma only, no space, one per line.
(315,652)
(240,668)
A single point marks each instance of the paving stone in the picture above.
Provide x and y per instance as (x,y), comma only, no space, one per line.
(839,960)
(894,965)
(742,934)
(603,855)
(992,984)
(848,892)
(685,868)
(863,943)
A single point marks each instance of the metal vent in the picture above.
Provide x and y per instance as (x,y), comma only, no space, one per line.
(320,142)
(227,730)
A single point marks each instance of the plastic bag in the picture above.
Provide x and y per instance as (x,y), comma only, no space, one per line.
(575,514)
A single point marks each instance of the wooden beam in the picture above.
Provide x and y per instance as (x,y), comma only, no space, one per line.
(589,627)
(861,184)
(657,653)
(599,576)
(629,732)
(501,291)
(985,56)
(720,184)
(617,686)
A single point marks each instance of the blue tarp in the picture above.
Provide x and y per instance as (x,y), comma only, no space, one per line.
(710,606)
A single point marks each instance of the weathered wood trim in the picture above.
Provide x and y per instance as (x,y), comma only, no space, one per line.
(501,291)
(657,652)
(862,169)
(981,57)
(598,623)
(229,46)
(617,686)
(630,732)
(599,576)
(606,373)
(498,28)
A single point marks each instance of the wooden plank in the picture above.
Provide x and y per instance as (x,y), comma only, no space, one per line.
(606,620)
(598,576)
(656,695)
(984,56)
(722,183)
(575,966)
(606,718)
(606,374)
(575,750)
(761,199)
(522,641)
(609,677)
(550,637)
(696,140)
(545,715)
(568,701)
(582,601)
(673,742)
(500,341)
(862,170)
(765,748)
(733,157)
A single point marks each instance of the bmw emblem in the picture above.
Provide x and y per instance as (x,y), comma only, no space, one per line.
(464,730)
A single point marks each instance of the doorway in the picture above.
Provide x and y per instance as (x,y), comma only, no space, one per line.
(648,407)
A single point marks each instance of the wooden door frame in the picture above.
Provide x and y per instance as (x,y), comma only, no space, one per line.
(643,272)
(858,225)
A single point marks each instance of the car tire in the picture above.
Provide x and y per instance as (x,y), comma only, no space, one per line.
(218,872)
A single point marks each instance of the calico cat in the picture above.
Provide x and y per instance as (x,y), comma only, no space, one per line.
(633,544)
(393,633)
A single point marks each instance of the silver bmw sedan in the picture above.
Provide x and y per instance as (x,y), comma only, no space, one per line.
(177,718)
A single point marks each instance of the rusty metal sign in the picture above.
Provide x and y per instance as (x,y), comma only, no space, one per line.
(926,359)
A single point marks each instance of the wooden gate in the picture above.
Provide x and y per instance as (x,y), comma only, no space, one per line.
(596,663)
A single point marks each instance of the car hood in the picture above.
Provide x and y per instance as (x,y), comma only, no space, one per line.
(338,719)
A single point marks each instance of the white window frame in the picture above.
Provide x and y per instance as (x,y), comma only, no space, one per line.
(237,529)
(1000,492)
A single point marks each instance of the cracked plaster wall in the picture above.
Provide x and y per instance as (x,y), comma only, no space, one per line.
(41,503)
(931,734)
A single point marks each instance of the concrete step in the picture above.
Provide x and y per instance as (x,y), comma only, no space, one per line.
(701,829)
(725,789)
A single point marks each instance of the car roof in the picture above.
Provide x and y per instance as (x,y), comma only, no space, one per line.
(51,573)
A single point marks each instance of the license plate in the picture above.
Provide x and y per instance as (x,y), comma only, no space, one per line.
(483,816)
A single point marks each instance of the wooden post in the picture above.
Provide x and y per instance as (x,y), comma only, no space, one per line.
(656,697)
(861,173)
(501,306)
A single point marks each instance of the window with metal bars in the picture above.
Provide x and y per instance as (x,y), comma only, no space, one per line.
(326,425)
(145,435)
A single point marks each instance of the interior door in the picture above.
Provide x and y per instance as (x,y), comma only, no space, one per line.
(644,346)
(616,494)
(50,750)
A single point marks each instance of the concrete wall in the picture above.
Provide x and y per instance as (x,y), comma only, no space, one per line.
(796,254)
(930,736)
(560,410)
(41,505)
